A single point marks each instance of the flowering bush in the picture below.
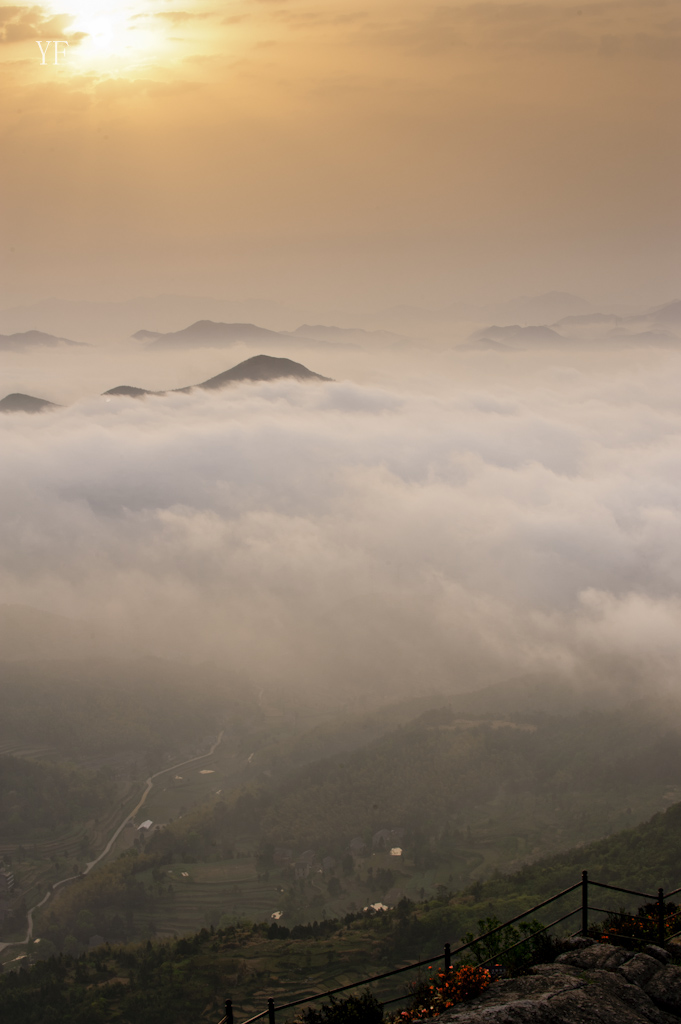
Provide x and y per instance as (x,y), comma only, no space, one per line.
(642,927)
(443,990)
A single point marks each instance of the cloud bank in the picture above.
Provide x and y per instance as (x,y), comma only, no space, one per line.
(339,536)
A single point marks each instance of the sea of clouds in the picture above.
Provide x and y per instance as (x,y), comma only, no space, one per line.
(446,524)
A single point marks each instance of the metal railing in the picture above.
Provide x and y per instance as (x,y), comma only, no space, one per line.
(583,908)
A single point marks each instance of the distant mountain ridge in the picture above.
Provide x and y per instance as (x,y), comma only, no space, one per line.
(514,335)
(335,335)
(603,330)
(32,339)
(92,320)
(257,368)
(216,334)
(208,332)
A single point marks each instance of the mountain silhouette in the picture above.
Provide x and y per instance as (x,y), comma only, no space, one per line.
(259,368)
(208,333)
(31,339)
(347,337)
(17,402)
(670,313)
(517,336)
(131,392)
(588,320)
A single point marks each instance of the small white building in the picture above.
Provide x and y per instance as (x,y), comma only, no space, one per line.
(145,826)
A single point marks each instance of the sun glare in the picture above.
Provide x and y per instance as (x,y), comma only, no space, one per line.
(116,34)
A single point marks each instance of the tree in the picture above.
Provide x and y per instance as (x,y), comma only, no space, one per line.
(334,887)
(348,865)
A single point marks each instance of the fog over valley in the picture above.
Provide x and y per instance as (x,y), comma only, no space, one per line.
(446,519)
(324,643)
(340,512)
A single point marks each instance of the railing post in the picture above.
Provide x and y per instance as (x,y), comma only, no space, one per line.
(270,1010)
(585,902)
(660,917)
(229,1014)
(448,956)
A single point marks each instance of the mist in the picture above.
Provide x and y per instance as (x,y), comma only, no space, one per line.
(340,561)
(429,520)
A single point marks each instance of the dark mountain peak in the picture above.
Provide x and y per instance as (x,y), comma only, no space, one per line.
(259,368)
(17,402)
(144,335)
(129,391)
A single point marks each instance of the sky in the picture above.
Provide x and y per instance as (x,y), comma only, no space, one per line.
(358,154)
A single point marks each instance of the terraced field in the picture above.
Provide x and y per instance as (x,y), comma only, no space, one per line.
(62,856)
(204,893)
(294,969)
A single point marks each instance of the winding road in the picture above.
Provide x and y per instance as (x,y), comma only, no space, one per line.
(93,863)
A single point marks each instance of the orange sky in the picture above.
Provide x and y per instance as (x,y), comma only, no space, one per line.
(354,154)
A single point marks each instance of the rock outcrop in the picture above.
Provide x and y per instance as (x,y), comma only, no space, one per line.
(595,984)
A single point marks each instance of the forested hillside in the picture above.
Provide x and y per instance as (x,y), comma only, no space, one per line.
(461,798)
(441,778)
(171,982)
(39,799)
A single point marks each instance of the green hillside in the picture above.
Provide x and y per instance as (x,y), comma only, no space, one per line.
(468,798)
(186,981)
(41,799)
(496,790)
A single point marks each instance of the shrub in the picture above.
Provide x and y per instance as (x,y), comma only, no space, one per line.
(364,1009)
(530,944)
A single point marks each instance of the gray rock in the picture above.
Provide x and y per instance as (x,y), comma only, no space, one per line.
(659,953)
(601,956)
(554,969)
(598,984)
(640,969)
(665,990)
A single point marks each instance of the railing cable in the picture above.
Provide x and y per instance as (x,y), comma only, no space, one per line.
(449,953)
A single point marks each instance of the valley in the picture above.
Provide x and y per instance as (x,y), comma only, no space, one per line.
(262,827)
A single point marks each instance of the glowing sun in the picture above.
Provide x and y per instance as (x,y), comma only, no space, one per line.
(115,32)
